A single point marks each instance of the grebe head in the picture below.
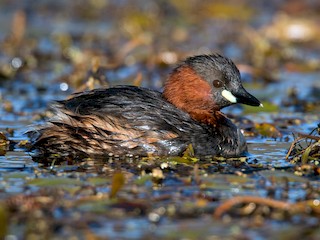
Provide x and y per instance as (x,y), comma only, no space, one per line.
(204,84)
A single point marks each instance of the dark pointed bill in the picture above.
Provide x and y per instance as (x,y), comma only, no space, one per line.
(241,96)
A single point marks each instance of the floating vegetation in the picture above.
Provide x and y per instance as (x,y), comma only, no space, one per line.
(306,148)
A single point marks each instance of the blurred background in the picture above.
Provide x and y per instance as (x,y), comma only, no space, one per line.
(51,48)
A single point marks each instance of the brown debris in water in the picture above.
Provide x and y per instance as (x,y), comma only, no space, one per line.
(292,208)
(306,147)
(4,142)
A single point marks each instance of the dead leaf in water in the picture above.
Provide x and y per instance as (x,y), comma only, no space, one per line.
(118,181)
(3,144)
(267,130)
(189,152)
(307,153)
(3,221)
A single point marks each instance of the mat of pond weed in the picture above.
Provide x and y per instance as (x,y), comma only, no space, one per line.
(50,49)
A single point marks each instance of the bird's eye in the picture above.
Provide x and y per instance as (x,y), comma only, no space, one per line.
(217,83)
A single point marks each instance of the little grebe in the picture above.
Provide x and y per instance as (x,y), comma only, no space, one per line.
(134,120)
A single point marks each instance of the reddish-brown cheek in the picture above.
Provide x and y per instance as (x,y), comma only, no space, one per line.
(189,92)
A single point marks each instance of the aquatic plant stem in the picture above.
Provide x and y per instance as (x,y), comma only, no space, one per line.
(302,206)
